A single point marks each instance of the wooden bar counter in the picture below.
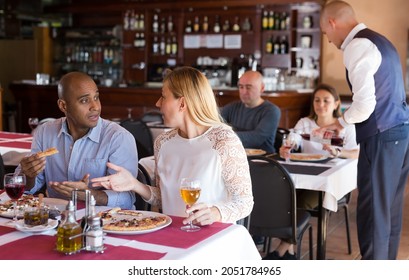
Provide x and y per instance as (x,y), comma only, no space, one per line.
(41,101)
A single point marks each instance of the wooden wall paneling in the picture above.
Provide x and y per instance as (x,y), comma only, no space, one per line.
(41,101)
(94,19)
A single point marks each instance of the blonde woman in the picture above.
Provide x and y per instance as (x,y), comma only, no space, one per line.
(200,145)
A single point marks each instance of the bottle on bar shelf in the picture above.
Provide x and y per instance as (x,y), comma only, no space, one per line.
(188,28)
(174,48)
(246,26)
(155,24)
(196,26)
(271,20)
(264,20)
(269,45)
(226,25)
(216,27)
(162,25)
(236,25)
(142,22)
(205,25)
(170,24)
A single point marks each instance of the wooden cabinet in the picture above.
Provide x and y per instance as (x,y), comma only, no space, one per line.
(306,50)
(296,33)
(134,50)
(33,99)
(276,37)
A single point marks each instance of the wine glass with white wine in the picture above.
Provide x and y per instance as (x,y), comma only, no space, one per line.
(190,192)
(288,144)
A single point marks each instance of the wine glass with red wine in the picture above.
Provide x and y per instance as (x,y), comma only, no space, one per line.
(14,184)
(33,123)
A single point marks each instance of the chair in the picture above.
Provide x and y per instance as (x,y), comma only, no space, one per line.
(153,116)
(342,203)
(43,121)
(279,137)
(143,177)
(142,135)
(275,213)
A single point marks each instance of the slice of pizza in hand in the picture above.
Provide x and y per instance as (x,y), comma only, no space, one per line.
(48,152)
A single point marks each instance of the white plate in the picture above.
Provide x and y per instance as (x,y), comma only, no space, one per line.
(307,157)
(144,215)
(22,227)
(255,152)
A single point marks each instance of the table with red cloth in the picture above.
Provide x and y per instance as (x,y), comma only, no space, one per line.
(219,241)
(14,146)
(332,179)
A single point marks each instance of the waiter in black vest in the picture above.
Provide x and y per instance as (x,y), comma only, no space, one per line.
(381,117)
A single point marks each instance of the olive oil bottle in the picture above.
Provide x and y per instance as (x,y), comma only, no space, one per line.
(69,239)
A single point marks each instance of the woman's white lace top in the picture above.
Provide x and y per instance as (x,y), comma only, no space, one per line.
(217,158)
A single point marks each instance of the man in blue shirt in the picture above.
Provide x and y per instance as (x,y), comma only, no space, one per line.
(254,119)
(85,142)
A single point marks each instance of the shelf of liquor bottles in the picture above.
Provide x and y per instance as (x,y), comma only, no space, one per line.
(94,51)
(134,46)
(279,34)
(214,39)
(276,48)
(290,38)
(164,35)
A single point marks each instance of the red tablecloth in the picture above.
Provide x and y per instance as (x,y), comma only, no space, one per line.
(42,247)
(16,144)
(5,230)
(15,140)
(173,236)
(13,135)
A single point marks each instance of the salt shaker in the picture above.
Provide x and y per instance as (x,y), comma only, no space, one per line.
(95,235)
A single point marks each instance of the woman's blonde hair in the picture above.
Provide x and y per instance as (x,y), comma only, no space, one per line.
(191,84)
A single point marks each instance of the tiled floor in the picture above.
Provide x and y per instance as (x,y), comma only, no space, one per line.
(337,243)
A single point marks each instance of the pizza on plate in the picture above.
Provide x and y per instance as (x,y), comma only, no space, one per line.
(306,157)
(22,202)
(111,214)
(255,152)
(134,224)
(117,219)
